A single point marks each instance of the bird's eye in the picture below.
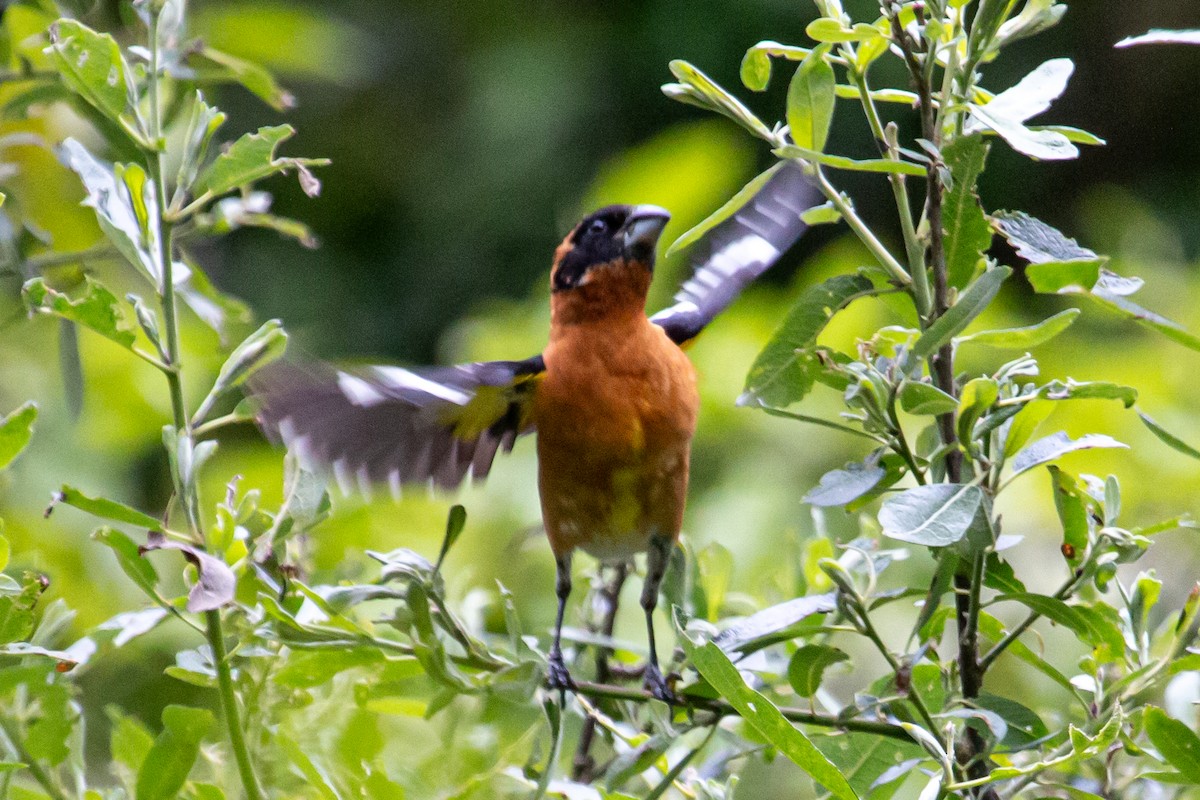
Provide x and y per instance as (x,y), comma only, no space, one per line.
(598,226)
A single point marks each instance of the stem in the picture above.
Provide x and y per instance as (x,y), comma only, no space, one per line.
(912,243)
(867,627)
(860,228)
(237,740)
(724,709)
(941,367)
(212,619)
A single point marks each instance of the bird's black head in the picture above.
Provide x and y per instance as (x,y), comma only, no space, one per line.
(612,234)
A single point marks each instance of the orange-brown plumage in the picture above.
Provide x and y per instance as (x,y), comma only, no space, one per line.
(615,414)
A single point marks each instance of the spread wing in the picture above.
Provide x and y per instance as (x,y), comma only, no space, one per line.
(398,426)
(738,250)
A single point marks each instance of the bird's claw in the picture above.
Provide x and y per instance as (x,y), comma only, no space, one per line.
(658,687)
(557,676)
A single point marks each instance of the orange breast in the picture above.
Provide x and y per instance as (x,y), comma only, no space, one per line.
(615,414)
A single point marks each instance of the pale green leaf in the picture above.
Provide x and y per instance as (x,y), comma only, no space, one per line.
(967,231)
(91,65)
(970,304)
(16,430)
(810,101)
(1027,337)
(98,309)
(936,515)
(766,719)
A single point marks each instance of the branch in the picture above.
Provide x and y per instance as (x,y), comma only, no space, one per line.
(723,709)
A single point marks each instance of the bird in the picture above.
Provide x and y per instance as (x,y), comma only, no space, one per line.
(612,398)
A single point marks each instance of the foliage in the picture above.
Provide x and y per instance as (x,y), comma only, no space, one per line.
(302,671)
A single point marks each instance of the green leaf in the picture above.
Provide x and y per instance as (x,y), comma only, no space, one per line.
(868,762)
(698,89)
(1024,424)
(455,522)
(761,714)
(314,776)
(46,738)
(785,370)
(1039,143)
(756,64)
(1088,390)
(166,766)
(130,742)
(220,311)
(1056,445)
(1109,291)
(774,624)
(92,66)
(1091,627)
(726,211)
(1072,513)
(110,199)
(139,570)
(249,159)
(1063,277)
(1177,743)
(824,29)
(1074,135)
(16,430)
(999,575)
(810,101)
(824,214)
(1006,112)
(967,231)
(1037,242)
(756,69)
(256,351)
(936,515)
(970,304)
(841,486)
(1024,725)
(1161,36)
(212,64)
(1034,93)
(203,122)
(882,165)
(98,309)
(106,509)
(978,395)
(925,399)
(1026,337)
(1168,438)
(808,664)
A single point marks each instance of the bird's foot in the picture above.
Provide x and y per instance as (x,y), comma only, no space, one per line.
(656,684)
(557,676)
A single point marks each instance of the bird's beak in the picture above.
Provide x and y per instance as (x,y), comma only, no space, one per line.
(643,227)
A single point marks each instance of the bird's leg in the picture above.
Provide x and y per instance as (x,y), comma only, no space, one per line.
(656,566)
(556,673)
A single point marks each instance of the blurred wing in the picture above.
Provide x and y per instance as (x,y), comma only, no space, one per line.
(738,250)
(398,426)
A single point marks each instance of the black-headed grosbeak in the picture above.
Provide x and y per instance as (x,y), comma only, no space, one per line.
(613,396)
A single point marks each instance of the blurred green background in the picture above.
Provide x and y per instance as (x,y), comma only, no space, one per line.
(466,138)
